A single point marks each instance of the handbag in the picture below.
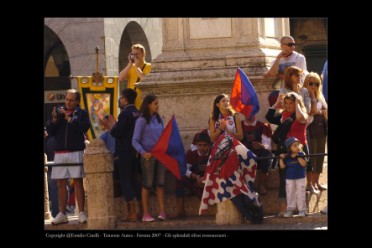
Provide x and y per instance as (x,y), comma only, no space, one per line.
(280,133)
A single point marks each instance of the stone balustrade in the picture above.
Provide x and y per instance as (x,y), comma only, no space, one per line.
(98,167)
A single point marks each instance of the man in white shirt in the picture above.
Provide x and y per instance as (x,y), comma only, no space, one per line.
(287,57)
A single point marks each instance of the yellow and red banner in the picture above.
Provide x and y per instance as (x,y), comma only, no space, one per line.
(99,99)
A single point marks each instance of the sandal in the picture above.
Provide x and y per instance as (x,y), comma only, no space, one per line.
(322,187)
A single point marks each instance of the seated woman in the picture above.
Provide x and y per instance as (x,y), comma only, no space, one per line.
(231,167)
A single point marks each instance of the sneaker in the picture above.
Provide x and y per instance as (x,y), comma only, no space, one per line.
(302,213)
(60,219)
(162,216)
(147,218)
(83,217)
(288,214)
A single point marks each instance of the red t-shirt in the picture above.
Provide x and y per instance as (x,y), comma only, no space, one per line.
(298,130)
(257,130)
(198,163)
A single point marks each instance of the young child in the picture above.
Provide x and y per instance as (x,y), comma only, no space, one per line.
(197,161)
(295,177)
(257,138)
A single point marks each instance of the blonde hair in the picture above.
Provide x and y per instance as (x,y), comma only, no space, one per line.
(139,46)
(316,77)
(288,74)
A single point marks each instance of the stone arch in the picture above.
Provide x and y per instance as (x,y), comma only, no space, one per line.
(57,71)
(133,33)
(54,47)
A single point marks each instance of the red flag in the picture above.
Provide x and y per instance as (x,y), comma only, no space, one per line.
(169,150)
(231,170)
(243,96)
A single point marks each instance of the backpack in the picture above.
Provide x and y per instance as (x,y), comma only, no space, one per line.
(280,133)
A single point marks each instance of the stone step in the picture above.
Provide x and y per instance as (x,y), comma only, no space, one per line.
(315,202)
(194,223)
(269,201)
(192,203)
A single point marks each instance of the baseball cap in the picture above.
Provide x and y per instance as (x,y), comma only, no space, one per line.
(288,142)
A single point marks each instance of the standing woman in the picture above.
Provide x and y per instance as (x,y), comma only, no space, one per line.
(317,128)
(293,108)
(224,119)
(149,127)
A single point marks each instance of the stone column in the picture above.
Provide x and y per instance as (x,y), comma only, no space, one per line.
(199,60)
(98,167)
(47,214)
(227,213)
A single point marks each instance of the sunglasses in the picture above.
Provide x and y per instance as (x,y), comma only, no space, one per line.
(312,84)
(290,44)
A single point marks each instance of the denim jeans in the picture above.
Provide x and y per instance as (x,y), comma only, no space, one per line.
(153,172)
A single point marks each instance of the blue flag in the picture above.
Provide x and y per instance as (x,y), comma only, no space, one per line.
(169,150)
(243,96)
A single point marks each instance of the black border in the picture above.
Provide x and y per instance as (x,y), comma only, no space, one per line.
(27,182)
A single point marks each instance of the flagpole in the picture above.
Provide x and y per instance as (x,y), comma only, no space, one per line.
(301,156)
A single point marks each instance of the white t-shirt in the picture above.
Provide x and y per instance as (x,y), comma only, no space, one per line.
(295,59)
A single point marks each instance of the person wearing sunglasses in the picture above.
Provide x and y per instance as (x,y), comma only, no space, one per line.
(292,83)
(286,58)
(317,129)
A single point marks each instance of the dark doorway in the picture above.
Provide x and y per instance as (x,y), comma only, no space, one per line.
(57,71)
(311,36)
(316,56)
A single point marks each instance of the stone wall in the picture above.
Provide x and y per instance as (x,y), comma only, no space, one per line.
(114,27)
(80,36)
(199,60)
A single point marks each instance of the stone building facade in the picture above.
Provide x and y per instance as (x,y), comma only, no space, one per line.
(194,59)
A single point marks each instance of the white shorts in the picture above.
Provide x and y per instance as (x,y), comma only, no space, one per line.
(65,172)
